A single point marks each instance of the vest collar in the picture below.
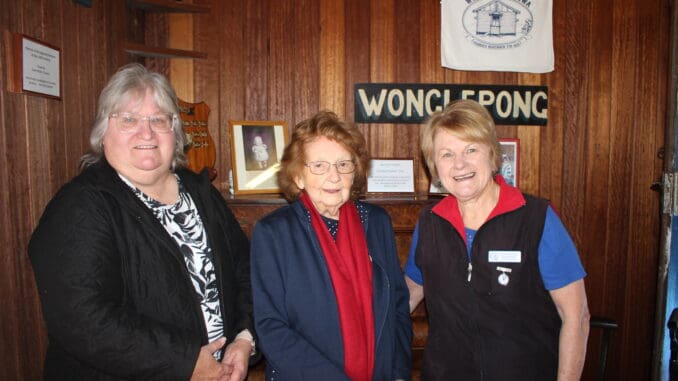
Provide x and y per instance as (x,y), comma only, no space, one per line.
(510,198)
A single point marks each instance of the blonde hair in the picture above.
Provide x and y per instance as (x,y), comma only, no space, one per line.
(467,120)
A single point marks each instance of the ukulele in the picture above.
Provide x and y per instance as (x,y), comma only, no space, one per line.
(199,146)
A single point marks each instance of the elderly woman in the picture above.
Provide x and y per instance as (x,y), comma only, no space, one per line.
(142,269)
(330,301)
(502,279)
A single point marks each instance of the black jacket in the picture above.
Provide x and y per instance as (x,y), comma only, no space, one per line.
(115,291)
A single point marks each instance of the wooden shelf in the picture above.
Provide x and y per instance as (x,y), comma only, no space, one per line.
(167,6)
(277,199)
(158,52)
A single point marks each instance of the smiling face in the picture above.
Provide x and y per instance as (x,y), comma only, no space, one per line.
(331,190)
(465,168)
(143,156)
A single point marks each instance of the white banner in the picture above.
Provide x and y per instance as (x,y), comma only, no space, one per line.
(497,35)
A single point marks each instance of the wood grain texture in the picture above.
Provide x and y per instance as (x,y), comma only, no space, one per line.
(282,65)
(594,160)
(208,79)
(381,137)
(256,55)
(357,53)
(306,77)
(332,56)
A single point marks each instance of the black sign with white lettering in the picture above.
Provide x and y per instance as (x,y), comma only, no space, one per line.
(414,102)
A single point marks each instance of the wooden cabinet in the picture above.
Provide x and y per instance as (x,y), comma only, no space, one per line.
(145,18)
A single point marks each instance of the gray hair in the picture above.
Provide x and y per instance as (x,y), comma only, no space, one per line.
(131,82)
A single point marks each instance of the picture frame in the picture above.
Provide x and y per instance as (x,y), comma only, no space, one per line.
(256,150)
(510,161)
(391,175)
(34,67)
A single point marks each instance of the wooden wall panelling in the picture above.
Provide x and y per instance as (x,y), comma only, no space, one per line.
(74,100)
(19,139)
(37,178)
(6,283)
(207,77)
(15,163)
(575,101)
(228,72)
(430,70)
(180,31)
(406,68)
(11,139)
(156,33)
(107,16)
(281,64)
(306,51)
(529,146)
(332,56)
(596,155)
(256,56)
(605,258)
(357,54)
(647,126)
(551,162)
(380,137)
(51,122)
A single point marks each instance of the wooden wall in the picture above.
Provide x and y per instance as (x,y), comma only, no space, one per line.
(285,59)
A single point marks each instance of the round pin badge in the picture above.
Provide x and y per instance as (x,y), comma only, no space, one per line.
(503,279)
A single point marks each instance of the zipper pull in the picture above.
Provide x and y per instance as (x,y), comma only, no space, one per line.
(469,269)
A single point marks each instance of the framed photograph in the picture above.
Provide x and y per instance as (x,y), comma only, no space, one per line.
(391,176)
(510,161)
(256,150)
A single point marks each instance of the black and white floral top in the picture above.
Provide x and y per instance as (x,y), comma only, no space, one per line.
(183,223)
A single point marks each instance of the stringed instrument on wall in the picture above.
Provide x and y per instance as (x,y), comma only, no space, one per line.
(199,146)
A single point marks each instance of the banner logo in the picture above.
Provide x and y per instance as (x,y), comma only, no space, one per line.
(498,24)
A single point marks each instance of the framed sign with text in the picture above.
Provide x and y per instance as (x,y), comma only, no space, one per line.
(391,176)
(35,66)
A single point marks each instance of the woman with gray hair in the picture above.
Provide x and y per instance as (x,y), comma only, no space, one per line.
(142,270)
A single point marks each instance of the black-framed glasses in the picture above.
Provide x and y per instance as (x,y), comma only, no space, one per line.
(130,123)
(321,167)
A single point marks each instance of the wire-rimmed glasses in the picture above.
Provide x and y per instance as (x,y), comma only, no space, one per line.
(321,167)
(131,123)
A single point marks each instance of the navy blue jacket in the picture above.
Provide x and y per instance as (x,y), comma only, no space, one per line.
(295,309)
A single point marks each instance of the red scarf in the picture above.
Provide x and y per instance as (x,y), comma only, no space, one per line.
(351,274)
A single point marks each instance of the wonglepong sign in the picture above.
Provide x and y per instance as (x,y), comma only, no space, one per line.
(414,102)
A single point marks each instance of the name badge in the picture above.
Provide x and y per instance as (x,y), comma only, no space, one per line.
(505,256)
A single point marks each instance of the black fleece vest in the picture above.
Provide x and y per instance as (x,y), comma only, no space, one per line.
(481,329)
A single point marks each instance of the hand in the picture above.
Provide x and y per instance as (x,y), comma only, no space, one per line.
(207,368)
(237,357)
